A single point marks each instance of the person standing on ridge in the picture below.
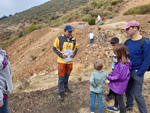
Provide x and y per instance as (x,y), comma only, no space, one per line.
(65,46)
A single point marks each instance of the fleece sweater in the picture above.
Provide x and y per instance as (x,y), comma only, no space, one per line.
(139,64)
(5,76)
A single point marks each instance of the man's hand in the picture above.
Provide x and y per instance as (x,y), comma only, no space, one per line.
(1,105)
(64,56)
(72,55)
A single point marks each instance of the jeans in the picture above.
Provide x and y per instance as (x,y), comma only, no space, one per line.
(91,41)
(134,88)
(4,108)
(63,83)
(100,102)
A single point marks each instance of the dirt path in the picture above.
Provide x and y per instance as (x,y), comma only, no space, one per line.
(45,100)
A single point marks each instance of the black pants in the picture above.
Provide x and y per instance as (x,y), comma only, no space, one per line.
(111,93)
(119,102)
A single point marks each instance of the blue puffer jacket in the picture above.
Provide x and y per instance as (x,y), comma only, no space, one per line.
(119,77)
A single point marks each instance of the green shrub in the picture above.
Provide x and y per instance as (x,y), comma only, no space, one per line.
(32,27)
(43,49)
(4,44)
(86,18)
(101,3)
(93,3)
(114,2)
(143,9)
(80,78)
(33,57)
(88,8)
(95,12)
(91,21)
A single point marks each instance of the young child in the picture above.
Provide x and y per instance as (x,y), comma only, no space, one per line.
(114,41)
(5,81)
(119,77)
(97,80)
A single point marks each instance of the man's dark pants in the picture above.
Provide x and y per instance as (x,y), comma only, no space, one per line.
(64,71)
(134,88)
(63,83)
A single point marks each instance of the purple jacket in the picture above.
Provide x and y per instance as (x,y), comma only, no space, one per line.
(119,77)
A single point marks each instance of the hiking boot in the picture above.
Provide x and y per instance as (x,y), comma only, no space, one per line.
(113,109)
(109,97)
(60,98)
(129,108)
(68,90)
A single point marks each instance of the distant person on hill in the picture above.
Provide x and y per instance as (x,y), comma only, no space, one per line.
(5,81)
(97,80)
(65,46)
(91,36)
(99,19)
(114,41)
(119,78)
(140,57)
(103,17)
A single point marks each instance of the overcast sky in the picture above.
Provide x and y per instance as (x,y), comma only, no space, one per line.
(8,7)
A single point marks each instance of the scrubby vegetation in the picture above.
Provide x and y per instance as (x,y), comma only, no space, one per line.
(114,2)
(91,21)
(55,13)
(143,9)
(42,15)
(32,27)
(91,9)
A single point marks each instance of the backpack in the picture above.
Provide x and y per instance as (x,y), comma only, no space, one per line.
(141,46)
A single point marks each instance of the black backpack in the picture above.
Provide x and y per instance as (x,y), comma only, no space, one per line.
(141,46)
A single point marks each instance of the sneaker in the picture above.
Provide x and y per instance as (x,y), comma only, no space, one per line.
(128,108)
(109,97)
(113,109)
(68,90)
(60,98)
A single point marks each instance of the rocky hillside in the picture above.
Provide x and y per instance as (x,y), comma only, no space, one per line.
(34,66)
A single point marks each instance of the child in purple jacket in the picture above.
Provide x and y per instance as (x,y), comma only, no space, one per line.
(119,77)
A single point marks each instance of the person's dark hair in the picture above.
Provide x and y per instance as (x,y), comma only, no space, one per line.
(98,64)
(114,40)
(122,53)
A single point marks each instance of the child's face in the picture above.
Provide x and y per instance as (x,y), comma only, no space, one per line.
(113,45)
